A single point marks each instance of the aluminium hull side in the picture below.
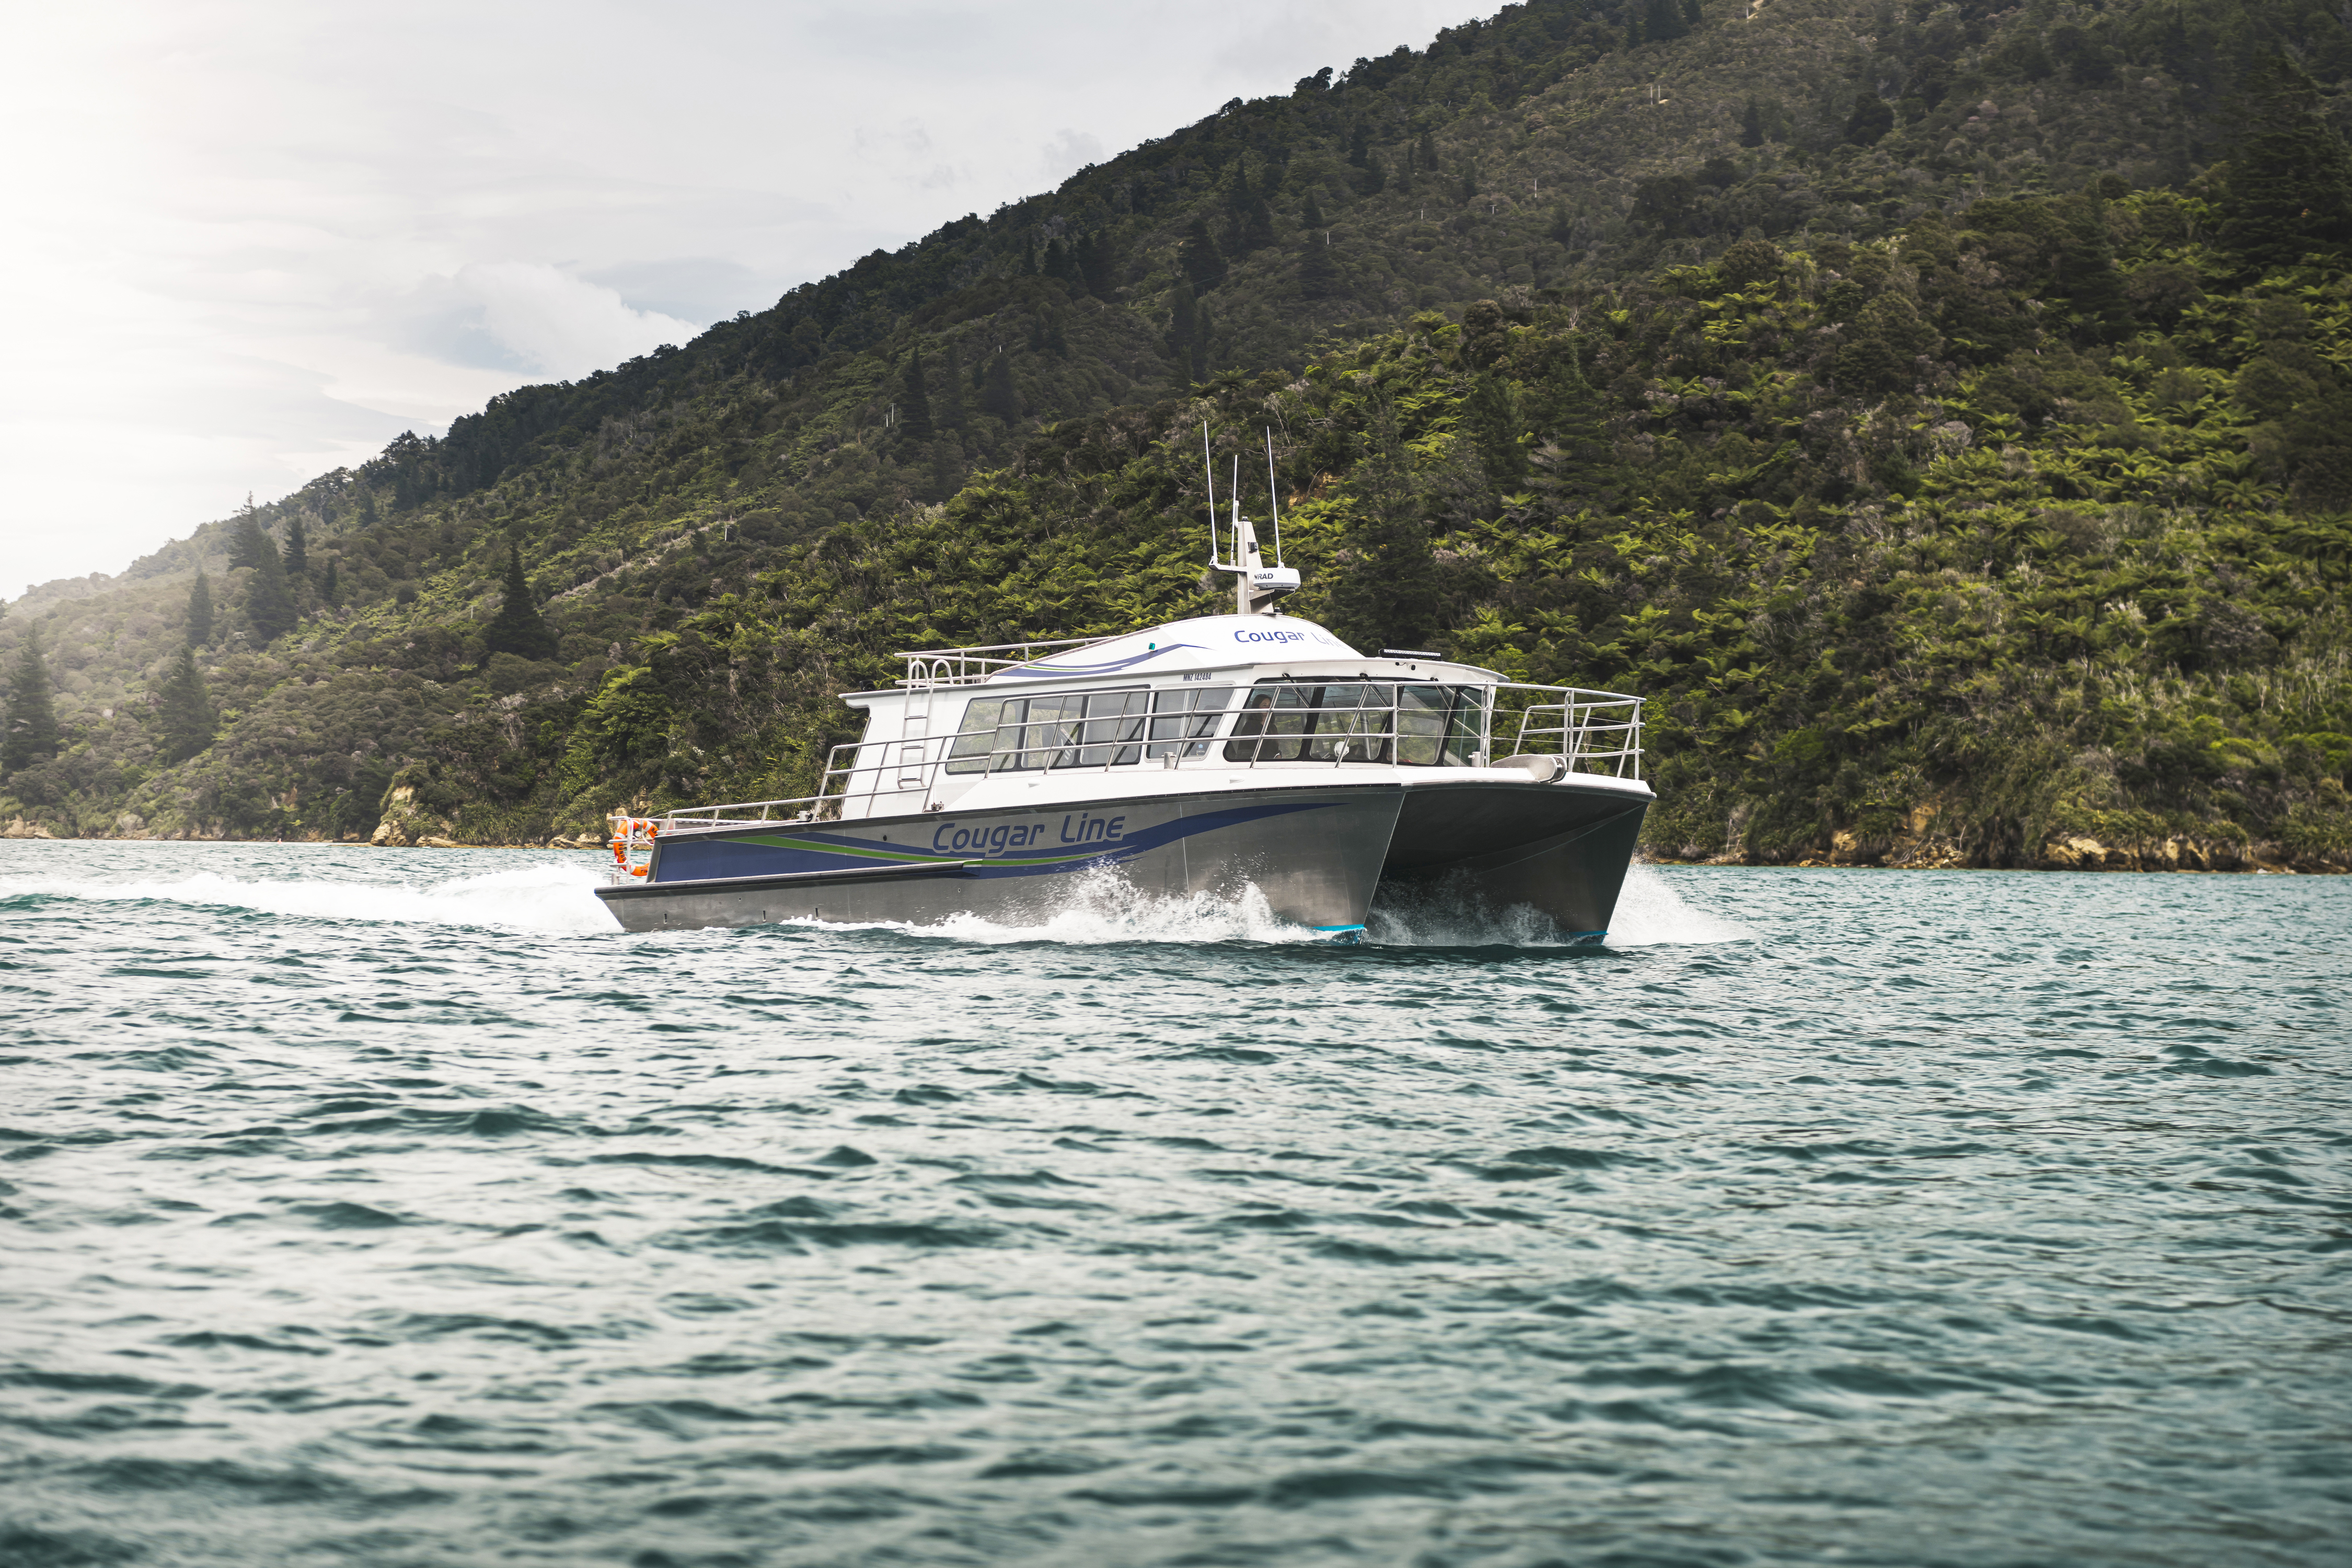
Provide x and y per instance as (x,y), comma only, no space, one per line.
(1313,853)
(1557,849)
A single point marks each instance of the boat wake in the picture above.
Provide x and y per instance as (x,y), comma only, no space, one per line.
(1095,908)
(555,900)
(1100,906)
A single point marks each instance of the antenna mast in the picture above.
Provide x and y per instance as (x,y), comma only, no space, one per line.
(1256,585)
(1272,496)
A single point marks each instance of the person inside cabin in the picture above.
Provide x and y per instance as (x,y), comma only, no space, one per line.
(1251,721)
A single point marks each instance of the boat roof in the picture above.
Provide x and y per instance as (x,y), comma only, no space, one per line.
(1206,642)
(1202,644)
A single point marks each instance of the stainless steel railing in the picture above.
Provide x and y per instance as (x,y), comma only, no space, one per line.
(1383,724)
(928,669)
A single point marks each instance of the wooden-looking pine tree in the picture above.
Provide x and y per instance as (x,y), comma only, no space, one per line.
(30,734)
(184,720)
(518,627)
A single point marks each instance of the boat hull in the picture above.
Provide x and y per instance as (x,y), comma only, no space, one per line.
(1319,856)
(1315,853)
(1558,849)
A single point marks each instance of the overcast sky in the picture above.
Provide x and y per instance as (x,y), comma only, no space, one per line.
(251,240)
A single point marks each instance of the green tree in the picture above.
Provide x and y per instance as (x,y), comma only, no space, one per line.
(1663,19)
(1872,118)
(950,410)
(998,396)
(1319,275)
(1097,258)
(1202,262)
(915,400)
(184,720)
(200,611)
(1751,124)
(247,542)
(1185,332)
(1253,225)
(298,550)
(30,734)
(1383,582)
(331,588)
(269,603)
(1491,411)
(2290,179)
(518,627)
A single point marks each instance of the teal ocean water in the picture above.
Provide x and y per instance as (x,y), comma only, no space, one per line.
(377,1207)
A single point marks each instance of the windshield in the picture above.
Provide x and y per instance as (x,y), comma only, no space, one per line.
(1417,726)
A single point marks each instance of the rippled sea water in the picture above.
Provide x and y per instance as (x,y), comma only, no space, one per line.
(390,1207)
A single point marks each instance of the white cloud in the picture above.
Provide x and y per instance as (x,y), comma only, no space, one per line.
(251,237)
(1066,153)
(562,326)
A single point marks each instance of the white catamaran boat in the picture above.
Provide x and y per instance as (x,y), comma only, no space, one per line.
(1205,755)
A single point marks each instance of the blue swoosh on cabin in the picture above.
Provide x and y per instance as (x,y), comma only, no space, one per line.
(1041,671)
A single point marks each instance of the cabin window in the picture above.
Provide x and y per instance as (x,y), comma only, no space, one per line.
(1439,726)
(976,737)
(1022,734)
(1182,718)
(1113,732)
(1419,726)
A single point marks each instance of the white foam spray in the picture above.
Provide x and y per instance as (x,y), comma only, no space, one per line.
(1100,905)
(557,900)
(1650,914)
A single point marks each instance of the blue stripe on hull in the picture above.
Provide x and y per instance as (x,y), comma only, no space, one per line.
(781,853)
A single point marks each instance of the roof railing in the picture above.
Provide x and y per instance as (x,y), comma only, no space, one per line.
(936,667)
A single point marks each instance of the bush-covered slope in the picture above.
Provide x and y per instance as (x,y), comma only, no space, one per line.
(1940,412)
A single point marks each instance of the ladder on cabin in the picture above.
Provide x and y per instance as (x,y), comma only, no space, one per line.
(914,738)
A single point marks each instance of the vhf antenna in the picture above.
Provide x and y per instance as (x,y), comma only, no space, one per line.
(1272,496)
(1259,585)
(1209,471)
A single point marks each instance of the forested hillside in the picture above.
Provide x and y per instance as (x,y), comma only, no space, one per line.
(1940,412)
